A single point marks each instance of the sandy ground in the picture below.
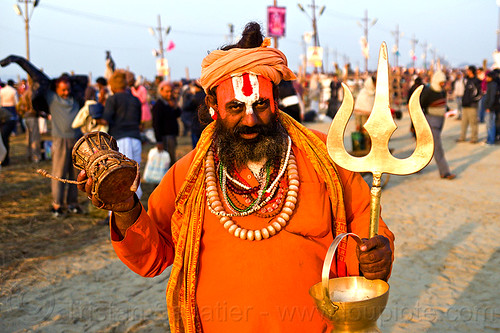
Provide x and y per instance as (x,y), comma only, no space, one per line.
(445,278)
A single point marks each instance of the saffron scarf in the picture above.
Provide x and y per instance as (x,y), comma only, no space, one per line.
(187,220)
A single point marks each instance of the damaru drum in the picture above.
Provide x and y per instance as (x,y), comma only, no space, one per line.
(113,173)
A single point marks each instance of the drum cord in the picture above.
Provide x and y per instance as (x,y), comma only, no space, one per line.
(48,175)
(45,173)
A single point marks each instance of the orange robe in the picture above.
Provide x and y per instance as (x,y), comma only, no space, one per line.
(253,286)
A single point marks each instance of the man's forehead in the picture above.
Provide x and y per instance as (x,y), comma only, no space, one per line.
(247,86)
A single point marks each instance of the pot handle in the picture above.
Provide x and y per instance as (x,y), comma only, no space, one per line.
(325,275)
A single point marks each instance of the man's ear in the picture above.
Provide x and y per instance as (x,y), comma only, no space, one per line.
(211,101)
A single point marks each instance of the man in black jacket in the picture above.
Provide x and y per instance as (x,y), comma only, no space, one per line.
(470,100)
(122,113)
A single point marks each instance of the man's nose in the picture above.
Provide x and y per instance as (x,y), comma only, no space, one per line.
(249,119)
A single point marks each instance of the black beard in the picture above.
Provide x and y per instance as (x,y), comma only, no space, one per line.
(234,151)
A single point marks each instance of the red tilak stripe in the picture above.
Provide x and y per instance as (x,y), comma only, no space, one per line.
(247,86)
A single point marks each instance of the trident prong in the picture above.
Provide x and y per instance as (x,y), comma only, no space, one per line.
(380,127)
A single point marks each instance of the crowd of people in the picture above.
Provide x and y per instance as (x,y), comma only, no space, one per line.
(470,95)
(136,111)
(131,109)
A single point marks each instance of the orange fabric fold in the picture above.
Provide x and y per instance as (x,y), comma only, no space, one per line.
(220,65)
(186,234)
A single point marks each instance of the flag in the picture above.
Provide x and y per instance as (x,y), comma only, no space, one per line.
(170,46)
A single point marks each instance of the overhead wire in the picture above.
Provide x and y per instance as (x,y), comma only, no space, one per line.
(105,19)
(128,23)
(93,16)
(113,20)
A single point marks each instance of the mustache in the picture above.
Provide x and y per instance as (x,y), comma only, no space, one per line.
(259,129)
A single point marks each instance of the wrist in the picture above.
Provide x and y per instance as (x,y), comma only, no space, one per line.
(127,206)
(122,220)
(129,215)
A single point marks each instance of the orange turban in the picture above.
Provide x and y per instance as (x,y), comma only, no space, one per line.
(221,65)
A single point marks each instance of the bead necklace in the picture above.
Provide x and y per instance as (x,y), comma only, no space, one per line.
(227,199)
(276,224)
(243,188)
(267,193)
(272,208)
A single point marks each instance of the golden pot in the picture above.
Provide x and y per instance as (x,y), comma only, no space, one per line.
(350,304)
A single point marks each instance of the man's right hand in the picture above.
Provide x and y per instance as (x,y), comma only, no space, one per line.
(86,187)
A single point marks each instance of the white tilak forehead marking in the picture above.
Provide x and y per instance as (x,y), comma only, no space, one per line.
(238,91)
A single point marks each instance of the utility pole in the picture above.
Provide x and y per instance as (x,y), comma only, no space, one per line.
(346,59)
(314,21)
(27,17)
(335,54)
(327,50)
(304,59)
(498,27)
(231,32)
(315,28)
(397,34)
(425,47)
(434,57)
(413,42)
(335,60)
(367,24)
(160,30)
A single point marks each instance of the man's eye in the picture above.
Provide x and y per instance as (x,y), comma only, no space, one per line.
(262,103)
(235,107)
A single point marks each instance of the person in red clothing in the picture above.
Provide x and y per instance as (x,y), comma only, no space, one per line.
(246,218)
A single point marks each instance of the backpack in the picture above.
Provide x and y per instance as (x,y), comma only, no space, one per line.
(96,110)
(472,93)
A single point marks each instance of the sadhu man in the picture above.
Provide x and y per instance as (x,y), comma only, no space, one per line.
(246,218)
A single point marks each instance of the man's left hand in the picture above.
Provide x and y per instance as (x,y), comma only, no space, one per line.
(375,258)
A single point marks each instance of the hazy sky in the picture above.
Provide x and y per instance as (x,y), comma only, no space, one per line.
(70,35)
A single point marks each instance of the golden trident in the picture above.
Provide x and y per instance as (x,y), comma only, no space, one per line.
(380,126)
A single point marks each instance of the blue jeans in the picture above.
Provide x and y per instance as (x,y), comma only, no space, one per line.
(490,127)
(481,109)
